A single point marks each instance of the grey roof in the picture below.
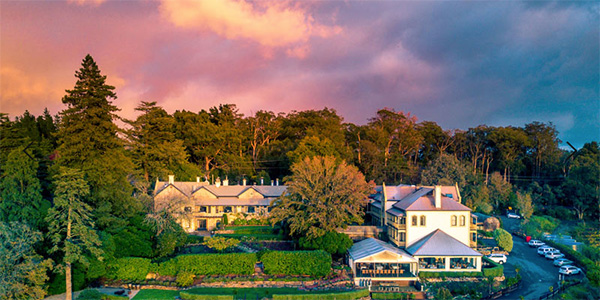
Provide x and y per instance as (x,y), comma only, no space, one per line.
(189,188)
(438,243)
(396,212)
(234,201)
(412,198)
(423,200)
(371,246)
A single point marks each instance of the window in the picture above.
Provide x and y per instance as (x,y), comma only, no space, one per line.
(414,221)
(402,236)
(402,220)
(251,209)
(422,220)
(188,209)
(227,209)
(462,220)
(202,209)
(453,221)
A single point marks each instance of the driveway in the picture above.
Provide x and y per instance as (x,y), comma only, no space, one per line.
(538,273)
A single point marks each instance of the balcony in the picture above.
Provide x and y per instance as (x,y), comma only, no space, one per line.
(473,227)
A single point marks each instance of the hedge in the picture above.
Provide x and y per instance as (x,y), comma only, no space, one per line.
(129,268)
(426,274)
(189,296)
(496,271)
(392,296)
(313,263)
(329,296)
(210,264)
(589,266)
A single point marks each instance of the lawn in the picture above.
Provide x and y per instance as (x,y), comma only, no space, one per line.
(241,293)
(258,232)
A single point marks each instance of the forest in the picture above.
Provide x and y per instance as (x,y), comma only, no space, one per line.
(49,161)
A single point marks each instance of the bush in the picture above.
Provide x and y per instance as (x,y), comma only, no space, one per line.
(537,225)
(496,271)
(504,239)
(210,264)
(194,239)
(312,263)
(185,279)
(426,274)
(129,268)
(190,296)
(91,294)
(443,294)
(329,296)
(220,243)
(392,296)
(332,242)
(591,268)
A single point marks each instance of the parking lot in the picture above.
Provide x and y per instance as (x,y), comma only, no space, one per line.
(538,273)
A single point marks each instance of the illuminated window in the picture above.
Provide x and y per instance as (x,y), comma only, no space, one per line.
(414,220)
(453,221)
(422,220)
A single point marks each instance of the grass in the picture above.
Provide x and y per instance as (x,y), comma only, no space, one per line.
(248,293)
(258,232)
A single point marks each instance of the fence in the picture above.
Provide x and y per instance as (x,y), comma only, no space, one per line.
(560,289)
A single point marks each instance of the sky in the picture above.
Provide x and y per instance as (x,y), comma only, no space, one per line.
(460,64)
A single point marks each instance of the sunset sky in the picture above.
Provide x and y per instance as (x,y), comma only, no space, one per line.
(460,64)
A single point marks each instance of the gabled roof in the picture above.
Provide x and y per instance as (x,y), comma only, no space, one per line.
(440,243)
(409,200)
(371,246)
(423,200)
(230,191)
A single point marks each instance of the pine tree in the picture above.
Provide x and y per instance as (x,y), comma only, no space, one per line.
(70,223)
(88,140)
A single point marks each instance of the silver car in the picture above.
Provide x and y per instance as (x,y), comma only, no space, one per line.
(559,262)
(569,270)
(554,255)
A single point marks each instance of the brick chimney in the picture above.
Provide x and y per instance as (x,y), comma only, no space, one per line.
(437,194)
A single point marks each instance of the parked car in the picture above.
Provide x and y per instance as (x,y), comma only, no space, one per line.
(554,255)
(536,243)
(543,250)
(559,262)
(569,270)
(498,257)
(511,215)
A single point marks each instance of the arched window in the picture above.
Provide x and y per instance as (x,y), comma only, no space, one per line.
(422,220)
(462,220)
(414,220)
(453,221)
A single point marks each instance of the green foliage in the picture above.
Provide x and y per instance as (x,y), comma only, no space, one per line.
(313,263)
(588,262)
(225,219)
(358,294)
(444,274)
(496,271)
(185,278)
(332,242)
(443,294)
(312,146)
(445,170)
(220,243)
(537,225)
(392,296)
(525,205)
(22,270)
(168,241)
(190,296)
(504,239)
(129,268)
(90,294)
(323,195)
(209,264)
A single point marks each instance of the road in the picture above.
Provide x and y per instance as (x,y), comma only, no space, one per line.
(538,273)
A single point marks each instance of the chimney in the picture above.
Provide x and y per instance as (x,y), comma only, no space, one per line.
(272,182)
(277,181)
(197,178)
(437,192)
(262,181)
(218,182)
(171,179)
(226,181)
(244,182)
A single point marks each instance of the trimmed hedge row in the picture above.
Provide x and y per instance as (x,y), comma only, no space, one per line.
(329,296)
(496,271)
(426,274)
(189,296)
(592,270)
(129,268)
(392,296)
(209,264)
(313,263)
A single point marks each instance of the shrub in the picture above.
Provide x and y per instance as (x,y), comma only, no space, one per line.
(185,279)
(210,264)
(194,239)
(313,263)
(332,242)
(504,239)
(496,271)
(220,243)
(190,296)
(540,224)
(426,274)
(130,268)
(443,294)
(592,269)
(91,294)
(329,296)
(392,296)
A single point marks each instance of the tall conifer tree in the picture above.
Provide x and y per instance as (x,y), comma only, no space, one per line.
(88,140)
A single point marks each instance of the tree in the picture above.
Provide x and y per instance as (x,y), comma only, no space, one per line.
(22,270)
(445,170)
(582,186)
(88,141)
(543,147)
(500,191)
(332,242)
(504,239)
(322,195)
(20,191)
(312,146)
(525,205)
(510,144)
(70,223)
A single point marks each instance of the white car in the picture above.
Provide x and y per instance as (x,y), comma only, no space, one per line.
(559,262)
(554,255)
(497,257)
(569,270)
(512,216)
(545,249)
(536,243)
